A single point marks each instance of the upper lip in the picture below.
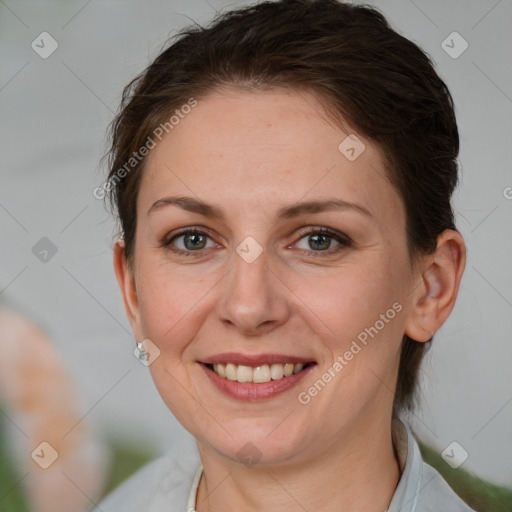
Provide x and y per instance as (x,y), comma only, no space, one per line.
(254,359)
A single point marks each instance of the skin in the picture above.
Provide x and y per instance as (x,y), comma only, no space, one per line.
(250,154)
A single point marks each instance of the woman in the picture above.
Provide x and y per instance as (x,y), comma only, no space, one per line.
(288,250)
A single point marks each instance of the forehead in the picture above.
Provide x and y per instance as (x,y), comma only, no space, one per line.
(250,150)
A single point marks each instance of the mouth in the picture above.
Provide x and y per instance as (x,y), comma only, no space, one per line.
(254,378)
(258,374)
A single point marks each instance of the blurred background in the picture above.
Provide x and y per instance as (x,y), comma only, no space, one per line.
(63,65)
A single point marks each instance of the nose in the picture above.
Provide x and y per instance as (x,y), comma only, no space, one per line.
(254,299)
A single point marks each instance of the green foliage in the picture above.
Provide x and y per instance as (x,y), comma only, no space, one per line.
(479,494)
(12,498)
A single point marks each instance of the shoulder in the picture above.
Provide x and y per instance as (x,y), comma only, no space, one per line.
(162,484)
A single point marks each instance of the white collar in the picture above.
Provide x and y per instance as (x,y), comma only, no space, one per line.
(192,497)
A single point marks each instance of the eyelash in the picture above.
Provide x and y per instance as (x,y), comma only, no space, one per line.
(343,240)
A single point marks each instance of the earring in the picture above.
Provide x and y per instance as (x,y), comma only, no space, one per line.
(146,351)
(141,353)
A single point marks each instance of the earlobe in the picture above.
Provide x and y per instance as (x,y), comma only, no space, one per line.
(434,299)
(127,287)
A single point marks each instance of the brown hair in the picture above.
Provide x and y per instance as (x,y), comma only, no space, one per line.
(354,62)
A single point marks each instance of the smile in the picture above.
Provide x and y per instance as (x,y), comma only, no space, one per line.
(257,375)
(254,378)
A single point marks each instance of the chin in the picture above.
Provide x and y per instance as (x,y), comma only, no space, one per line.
(264,445)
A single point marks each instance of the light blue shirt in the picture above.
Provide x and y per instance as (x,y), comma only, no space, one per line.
(169,483)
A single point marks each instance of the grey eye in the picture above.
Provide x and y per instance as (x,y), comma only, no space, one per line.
(191,241)
(317,241)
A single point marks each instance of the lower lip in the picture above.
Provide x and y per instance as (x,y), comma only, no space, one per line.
(251,392)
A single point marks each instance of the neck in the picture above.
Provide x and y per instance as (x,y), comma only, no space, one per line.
(358,472)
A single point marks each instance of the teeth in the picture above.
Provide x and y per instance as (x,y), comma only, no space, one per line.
(221,370)
(231,371)
(276,371)
(297,368)
(287,369)
(244,373)
(259,374)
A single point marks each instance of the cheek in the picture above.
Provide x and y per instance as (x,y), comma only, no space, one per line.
(346,300)
(169,303)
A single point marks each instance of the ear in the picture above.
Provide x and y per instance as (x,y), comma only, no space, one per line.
(434,297)
(126,281)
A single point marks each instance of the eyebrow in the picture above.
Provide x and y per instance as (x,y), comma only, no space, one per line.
(194,205)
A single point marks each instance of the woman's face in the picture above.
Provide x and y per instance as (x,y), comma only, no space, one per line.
(256,285)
